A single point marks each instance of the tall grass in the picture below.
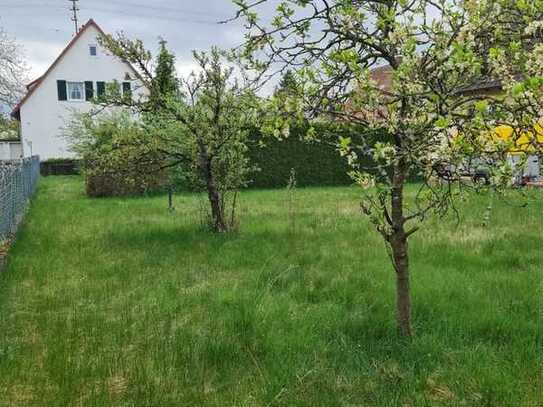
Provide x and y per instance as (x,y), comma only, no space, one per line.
(120,302)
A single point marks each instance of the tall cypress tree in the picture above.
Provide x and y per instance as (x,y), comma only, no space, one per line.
(288,84)
(165,84)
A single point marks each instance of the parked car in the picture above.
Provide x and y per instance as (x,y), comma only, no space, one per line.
(479,174)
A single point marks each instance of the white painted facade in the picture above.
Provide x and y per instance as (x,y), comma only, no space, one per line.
(44,117)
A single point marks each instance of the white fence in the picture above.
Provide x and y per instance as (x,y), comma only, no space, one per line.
(18,180)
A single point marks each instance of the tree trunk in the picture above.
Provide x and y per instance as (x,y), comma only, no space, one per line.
(400,254)
(403,294)
(217,211)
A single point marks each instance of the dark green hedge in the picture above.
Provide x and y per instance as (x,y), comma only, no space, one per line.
(59,166)
(315,163)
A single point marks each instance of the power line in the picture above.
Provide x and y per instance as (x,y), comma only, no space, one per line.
(126,8)
(164,8)
(142,14)
(171,16)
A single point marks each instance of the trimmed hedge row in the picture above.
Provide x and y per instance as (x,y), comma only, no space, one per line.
(62,166)
(315,163)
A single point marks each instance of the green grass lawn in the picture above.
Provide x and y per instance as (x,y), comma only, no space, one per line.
(118,302)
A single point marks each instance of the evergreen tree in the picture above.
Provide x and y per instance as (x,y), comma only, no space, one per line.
(288,84)
(165,83)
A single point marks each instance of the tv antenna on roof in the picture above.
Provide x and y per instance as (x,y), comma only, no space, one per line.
(75,9)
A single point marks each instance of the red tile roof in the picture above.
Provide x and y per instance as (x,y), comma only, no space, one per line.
(383,77)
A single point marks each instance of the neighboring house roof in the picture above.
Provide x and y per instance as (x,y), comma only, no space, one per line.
(482,85)
(383,77)
(35,84)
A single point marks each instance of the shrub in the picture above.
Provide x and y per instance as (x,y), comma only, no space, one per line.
(9,129)
(118,158)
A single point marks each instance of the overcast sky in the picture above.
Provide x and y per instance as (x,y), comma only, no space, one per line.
(44,27)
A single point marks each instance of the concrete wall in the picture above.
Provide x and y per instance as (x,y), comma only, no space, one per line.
(11,150)
(531,169)
(44,117)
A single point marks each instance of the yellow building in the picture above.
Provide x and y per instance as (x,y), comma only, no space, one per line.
(526,145)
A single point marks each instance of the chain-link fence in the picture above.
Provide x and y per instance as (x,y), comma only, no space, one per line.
(18,180)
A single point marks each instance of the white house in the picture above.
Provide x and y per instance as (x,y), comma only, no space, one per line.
(80,73)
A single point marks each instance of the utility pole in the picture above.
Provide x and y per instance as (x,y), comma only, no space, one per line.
(75,9)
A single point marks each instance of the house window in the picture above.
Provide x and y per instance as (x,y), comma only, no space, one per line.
(127,90)
(76,91)
(92,50)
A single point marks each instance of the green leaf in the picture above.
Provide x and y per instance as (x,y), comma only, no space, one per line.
(442,123)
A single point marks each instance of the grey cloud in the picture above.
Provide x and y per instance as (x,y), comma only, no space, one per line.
(43,27)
